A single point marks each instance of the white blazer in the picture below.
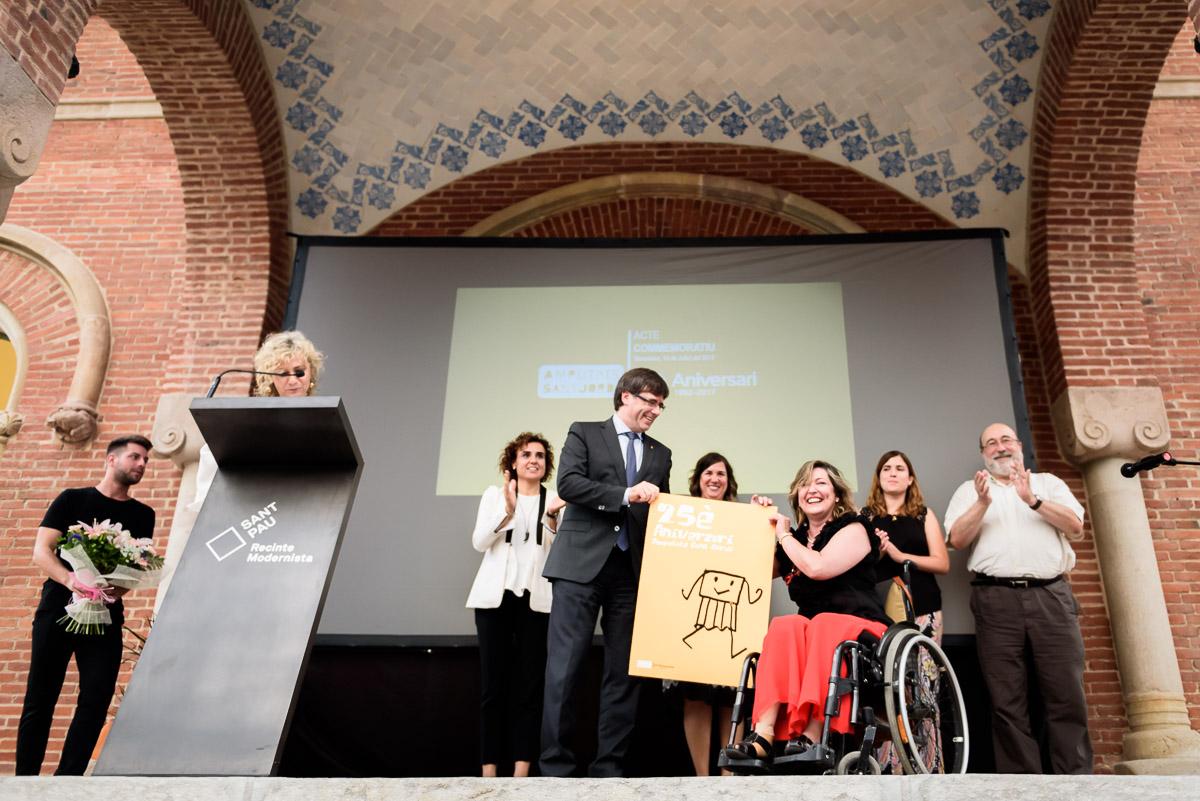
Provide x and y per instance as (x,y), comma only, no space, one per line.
(488,588)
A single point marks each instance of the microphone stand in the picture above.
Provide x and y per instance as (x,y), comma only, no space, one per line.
(217,381)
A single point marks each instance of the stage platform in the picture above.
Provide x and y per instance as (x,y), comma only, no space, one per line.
(781,788)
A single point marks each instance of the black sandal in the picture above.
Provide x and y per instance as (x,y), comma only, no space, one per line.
(754,748)
(797,745)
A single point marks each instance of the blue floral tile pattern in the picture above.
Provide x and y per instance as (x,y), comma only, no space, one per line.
(773,129)
(653,123)
(532,134)
(301,117)
(814,135)
(572,127)
(1032,9)
(335,189)
(1015,90)
(929,184)
(311,204)
(733,125)
(891,164)
(612,124)
(692,123)
(1008,178)
(965,205)
(277,34)
(1011,134)
(307,160)
(1021,46)
(854,148)
(346,219)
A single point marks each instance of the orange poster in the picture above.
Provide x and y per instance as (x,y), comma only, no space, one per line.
(704,597)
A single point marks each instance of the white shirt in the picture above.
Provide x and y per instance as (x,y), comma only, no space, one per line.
(1014,541)
(639,447)
(515,565)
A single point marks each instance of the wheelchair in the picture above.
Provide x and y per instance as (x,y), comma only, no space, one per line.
(905,673)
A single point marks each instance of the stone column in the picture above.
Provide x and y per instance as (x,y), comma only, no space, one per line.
(1099,428)
(176,437)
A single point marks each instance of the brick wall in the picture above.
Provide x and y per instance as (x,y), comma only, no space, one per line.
(1167,209)
(174,218)
(40,35)
(455,208)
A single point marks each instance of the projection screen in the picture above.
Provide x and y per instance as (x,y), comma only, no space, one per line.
(817,347)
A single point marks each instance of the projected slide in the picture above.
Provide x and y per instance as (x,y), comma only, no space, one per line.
(756,370)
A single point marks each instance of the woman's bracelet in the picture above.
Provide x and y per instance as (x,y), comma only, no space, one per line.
(779,540)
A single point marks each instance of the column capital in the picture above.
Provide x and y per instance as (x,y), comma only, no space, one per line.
(25,117)
(1097,422)
(175,434)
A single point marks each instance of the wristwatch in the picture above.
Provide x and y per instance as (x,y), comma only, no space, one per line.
(1037,503)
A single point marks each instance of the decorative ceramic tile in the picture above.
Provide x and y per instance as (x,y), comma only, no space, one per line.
(384,100)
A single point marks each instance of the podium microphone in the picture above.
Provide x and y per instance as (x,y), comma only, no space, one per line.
(1131,469)
(297,373)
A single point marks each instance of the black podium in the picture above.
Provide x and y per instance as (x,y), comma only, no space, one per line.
(214,690)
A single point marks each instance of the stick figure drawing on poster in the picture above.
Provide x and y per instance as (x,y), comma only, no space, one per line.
(720,593)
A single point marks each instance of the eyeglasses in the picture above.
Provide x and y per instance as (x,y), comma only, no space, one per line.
(1006,441)
(662,407)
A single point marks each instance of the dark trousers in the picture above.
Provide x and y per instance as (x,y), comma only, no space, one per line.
(1038,627)
(572,623)
(98,657)
(512,661)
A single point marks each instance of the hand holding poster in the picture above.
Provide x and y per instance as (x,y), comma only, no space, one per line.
(704,593)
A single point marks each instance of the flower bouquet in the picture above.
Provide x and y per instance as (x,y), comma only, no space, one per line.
(103,555)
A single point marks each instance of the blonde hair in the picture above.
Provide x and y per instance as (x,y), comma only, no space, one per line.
(841,488)
(282,347)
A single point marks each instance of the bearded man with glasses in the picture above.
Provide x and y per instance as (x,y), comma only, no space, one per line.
(1017,525)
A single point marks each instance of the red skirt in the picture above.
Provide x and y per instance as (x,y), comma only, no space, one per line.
(793,670)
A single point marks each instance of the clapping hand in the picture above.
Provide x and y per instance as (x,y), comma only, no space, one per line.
(886,547)
(510,493)
(1020,479)
(982,488)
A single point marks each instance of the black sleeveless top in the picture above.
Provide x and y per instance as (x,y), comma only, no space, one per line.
(908,534)
(851,593)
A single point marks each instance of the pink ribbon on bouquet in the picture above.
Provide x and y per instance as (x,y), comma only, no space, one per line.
(91,592)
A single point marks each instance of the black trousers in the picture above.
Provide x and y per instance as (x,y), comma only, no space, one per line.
(572,623)
(1041,625)
(98,657)
(512,661)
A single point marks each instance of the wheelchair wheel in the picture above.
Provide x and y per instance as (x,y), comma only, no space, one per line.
(925,707)
(849,764)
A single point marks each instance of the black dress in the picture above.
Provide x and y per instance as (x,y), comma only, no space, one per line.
(908,534)
(851,593)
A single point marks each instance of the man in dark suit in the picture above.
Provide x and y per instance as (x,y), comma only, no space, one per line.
(609,473)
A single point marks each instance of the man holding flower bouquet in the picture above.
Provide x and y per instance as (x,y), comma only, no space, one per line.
(98,526)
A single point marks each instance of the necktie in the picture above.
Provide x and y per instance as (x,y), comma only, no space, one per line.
(630,478)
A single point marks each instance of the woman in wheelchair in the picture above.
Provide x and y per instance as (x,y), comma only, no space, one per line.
(828,562)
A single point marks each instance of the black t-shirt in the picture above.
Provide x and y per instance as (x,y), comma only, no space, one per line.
(90,505)
(908,534)
(851,593)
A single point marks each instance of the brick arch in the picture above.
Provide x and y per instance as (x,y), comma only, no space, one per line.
(1103,59)
(1102,62)
(203,64)
(456,207)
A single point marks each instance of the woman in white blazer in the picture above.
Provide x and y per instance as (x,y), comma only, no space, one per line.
(514,530)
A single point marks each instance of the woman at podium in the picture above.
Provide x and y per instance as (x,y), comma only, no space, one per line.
(288,352)
(513,530)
